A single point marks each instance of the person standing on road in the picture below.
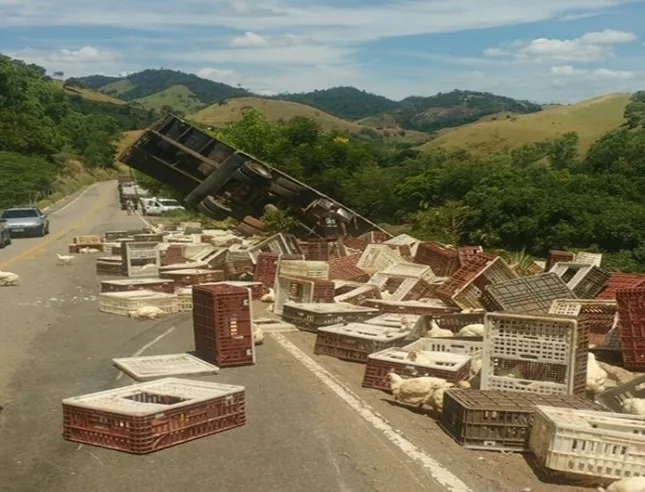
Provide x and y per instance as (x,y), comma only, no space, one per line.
(128,206)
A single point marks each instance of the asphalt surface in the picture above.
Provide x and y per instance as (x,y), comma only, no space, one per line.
(307,429)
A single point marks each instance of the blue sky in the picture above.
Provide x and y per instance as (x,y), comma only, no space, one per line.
(543,50)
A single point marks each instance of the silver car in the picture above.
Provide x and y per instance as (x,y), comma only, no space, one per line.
(26,221)
(5,236)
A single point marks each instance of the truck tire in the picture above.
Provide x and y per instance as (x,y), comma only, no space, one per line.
(250,226)
(255,173)
(214,209)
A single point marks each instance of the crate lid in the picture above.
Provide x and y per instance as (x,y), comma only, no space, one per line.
(365,331)
(137,294)
(159,366)
(608,424)
(328,307)
(181,392)
(436,360)
(137,281)
(394,319)
(517,401)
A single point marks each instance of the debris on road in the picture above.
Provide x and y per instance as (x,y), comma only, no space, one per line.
(9,279)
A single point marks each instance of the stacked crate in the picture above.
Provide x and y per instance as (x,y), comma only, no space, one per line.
(556,256)
(129,284)
(538,354)
(598,316)
(141,259)
(193,276)
(266,269)
(222,325)
(122,303)
(620,281)
(443,261)
(631,310)
(312,316)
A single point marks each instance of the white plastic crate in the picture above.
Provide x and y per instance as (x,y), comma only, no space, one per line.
(405,239)
(583,442)
(538,354)
(275,244)
(434,362)
(122,303)
(405,269)
(364,331)
(292,289)
(148,270)
(301,268)
(379,279)
(377,258)
(136,251)
(573,307)
(394,319)
(185,299)
(450,345)
(357,295)
(149,367)
(588,258)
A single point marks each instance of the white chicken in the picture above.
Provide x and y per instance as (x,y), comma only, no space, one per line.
(414,391)
(271,308)
(632,484)
(146,312)
(9,279)
(634,406)
(64,259)
(86,251)
(596,375)
(149,267)
(269,296)
(405,324)
(475,366)
(474,330)
(258,334)
(436,331)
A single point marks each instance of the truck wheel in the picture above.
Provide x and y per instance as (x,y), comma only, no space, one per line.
(214,209)
(250,226)
(255,173)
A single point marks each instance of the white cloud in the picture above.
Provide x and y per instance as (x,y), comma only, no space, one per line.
(596,74)
(248,40)
(495,52)
(566,70)
(216,74)
(608,36)
(285,55)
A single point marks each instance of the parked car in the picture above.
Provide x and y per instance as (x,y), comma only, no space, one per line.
(5,235)
(159,206)
(26,221)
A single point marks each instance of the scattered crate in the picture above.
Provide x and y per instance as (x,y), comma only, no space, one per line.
(613,397)
(148,238)
(174,254)
(193,276)
(598,316)
(222,325)
(443,261)
(184,299)
(549,351)
(395,320)
(450,321)
(345,269)
(310,316)
(355,341)
(147,417)
(355,243)
(116,235)
(274,244)
(586,281)
(359,295)
(302,268)
(122,303)
(292,289)
(556,256)
(631,311)
(411,307)
(129,284)
(87,240)
(620,281)
(76,248)
(596,444)
(317,250)
(256,288)
(151,367)
(588,258)
(529,295)
(266,269)
(445,365)
(109,265)
(273,325)
(455,345)
(378,257)
(467,252)
(141,259)
(498,420)
(405,240)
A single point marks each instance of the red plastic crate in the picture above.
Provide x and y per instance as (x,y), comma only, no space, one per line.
(266,268)
(621,281)
(111,419)
(173,255)
(346,269)
(556,256)
(324,290)
(130,284)
(462,276)
(444,262)
(257,289)
(222,325)
(317,250)
(631,310)
(355,243)
(467,252)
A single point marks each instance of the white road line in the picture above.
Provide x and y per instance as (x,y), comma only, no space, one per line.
(148,345)
(74,200)
(444,477)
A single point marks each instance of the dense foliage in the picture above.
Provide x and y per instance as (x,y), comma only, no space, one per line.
(635,110)
(129,116)
(537,197)
(148,82)
(41,128)
(345,102)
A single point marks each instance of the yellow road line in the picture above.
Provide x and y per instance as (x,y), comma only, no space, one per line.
(39,248)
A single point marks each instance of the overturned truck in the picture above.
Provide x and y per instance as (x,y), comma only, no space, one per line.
(221,181)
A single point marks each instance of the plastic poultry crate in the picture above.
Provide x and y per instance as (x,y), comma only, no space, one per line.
(355,243)
(620,281)
(378,257)
(466,273)
(394,319)
(445,365)
(274,244)
(598,316)
(355,341)
(121,303)
(222,325)
(148,238)
(586,281)
(256,288)
(588,258)
(467,252)
(631,310)
(87,240)
(405,240)
(310,316)
(345,269)
(498,420)
(193,276)
(112,266)
(76,248)
(596,444)
(458,345)
(147,417)
(411,307)
(150,367)
(115,235)
(292,289)
(129,284)
(359,295)
(141,259)
(557,256)
(613,397)
(302,268)
(415,270)
(266,269)
(443,261)
(317,250)
(537,354)
(528,295)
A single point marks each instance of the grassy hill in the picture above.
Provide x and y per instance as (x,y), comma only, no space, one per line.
(178,97)
(220,114)
(590,119)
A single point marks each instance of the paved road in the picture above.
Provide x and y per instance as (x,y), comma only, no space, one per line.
(310,425)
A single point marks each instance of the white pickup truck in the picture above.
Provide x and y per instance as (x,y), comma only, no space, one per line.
(159,206)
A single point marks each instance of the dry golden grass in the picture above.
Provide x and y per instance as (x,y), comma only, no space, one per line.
(590,119)
(128,138)
(88,94)
(219,115)
(178,97)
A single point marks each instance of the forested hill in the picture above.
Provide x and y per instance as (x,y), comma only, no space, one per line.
(42,129)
